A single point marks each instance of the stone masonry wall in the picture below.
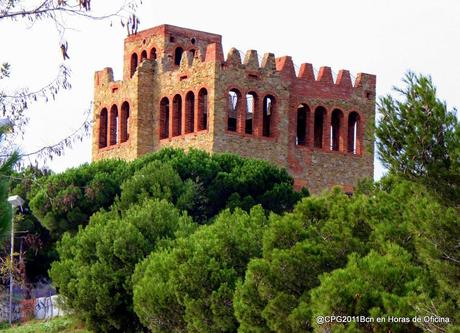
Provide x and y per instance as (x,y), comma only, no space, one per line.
(167,63)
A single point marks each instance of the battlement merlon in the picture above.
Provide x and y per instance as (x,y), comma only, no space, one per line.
(103,77)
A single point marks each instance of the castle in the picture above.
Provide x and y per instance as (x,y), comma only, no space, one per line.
(178,90)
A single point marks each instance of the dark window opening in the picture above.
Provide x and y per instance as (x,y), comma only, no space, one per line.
(143,55)
(103,125)
(353,143)
(172,39)
(302,121)
(320,113)
(269,102)
(133,63)
(164,118)
(336,119)
(233,101)
(124,122)
(189,112)
(113,125)
(193,40)
(250,111)
(177,115)
(202,109)
(153,54)
(178,55)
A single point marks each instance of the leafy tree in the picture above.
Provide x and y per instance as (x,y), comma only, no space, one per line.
(6,166)
(227,181)
(200,183)
(38,247)
(64,201)
(419,138)
(436,231)
(315,238)
(378,285)
(190,286)
(95,266)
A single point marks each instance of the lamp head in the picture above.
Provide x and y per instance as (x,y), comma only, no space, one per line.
(15,201)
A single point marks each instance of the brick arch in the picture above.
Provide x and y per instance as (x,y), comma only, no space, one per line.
(336,130)
(251,105)
(319,122)
(302,128)
(113,124)
(189,112)
(177,115)
(103,127)
(354,135)
(164,118)
(143,55)
(203,109)
(124,124)
(268,110)
(134,63)
(234,109)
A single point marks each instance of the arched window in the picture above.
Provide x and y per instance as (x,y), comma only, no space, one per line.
(177,115)
(202,109)
(267,115)
(354,143)
(234,101)
(336,128)
(124,122)
(302,121)
(251,102)
(178,55)
(153,54)
(143,55)
(133,63)
(320,114)
(189,112)
(103,125)
(164,118)
(113,125)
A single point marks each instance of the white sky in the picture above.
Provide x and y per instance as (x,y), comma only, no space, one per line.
(386,38)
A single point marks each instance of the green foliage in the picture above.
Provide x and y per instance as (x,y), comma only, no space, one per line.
(221,181)
(95,266)
(64,201)
(419,138)
(436,230)
(315,238)
(190,286)
(57,325)
(6,167)
(38,246)
(374,286)
(200,183)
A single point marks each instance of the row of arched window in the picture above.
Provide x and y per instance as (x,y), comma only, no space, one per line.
(152,55)
(114,128)
(171,118)
(246,116)
(137,59)
(340,134)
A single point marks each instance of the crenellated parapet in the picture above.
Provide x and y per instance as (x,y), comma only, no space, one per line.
(178,89)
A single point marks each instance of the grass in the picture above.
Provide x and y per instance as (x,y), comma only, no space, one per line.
(66,324)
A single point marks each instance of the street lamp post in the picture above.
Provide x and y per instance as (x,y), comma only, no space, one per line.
(15,201)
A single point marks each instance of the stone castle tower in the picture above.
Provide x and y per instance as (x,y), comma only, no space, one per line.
(178,90)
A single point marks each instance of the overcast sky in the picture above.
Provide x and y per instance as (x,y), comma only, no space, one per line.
(386,38)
